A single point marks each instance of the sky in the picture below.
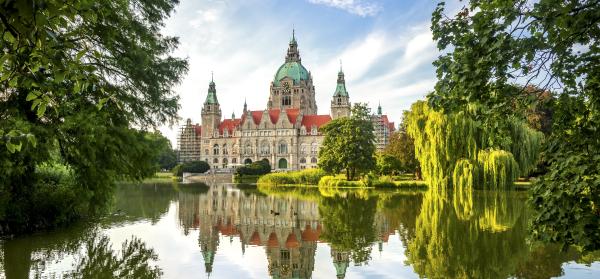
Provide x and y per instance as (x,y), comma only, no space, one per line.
(385,46)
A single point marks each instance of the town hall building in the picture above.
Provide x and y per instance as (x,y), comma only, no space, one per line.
(286,134)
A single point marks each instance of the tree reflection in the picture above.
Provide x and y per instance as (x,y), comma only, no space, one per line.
(349,224)
(101,261)
(468,235)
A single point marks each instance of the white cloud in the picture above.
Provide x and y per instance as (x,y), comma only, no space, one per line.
(357,7)
(384,65)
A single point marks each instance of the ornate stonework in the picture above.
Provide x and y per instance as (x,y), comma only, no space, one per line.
(286,133)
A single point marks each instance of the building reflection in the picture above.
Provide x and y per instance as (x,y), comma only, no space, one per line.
(288,228)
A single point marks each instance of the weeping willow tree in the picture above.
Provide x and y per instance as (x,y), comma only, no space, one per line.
(454,149)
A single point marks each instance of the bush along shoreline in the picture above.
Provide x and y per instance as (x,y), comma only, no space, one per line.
(320,178)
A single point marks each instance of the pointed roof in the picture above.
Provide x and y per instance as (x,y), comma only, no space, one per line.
(211,97)
(318,120)
(379,111)
(340,88)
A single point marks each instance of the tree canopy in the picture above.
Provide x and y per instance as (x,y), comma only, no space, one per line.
(349,144)
(76,77)
(491,45)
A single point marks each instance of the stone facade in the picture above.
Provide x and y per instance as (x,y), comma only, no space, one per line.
(287,133)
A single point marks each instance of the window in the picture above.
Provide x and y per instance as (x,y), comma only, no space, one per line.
(314,148)
(303,148)
(286,100)
(302,161)
(264,148)
(225,161)
(303,130)
(234,161)
(205,151)
(216,149)
(339,101)
(234,149)
(283,147)
(225,152)
(215,161)
(313,160)
(313,131)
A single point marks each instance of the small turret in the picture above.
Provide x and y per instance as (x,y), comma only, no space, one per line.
(340,104)
(379,111)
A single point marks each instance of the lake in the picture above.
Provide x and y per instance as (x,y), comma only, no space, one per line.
(241,231)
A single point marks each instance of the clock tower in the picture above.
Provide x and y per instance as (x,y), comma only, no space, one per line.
(292,86)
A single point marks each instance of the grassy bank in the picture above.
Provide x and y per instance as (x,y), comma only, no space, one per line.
(160,177)
(302,177)
(246,178)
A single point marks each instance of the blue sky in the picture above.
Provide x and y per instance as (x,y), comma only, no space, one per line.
(385,45)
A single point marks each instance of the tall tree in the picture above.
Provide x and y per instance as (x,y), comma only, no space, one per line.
(402,147)
(76,77)
(553,45)
(349,144)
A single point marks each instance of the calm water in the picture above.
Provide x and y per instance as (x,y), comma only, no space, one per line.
(224,231)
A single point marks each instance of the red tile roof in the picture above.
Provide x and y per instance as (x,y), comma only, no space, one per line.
(256,116)
(319,120)
(229,125)
(292,241)
(292,114)
(272,242)
(274,115)
(255,239)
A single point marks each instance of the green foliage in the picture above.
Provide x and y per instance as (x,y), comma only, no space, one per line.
(402,147)
(349,144)
(452,147)
(335,181)
(388,164)
(195,167)
(255,168)
(71,89)
(166,157)
(551,44)
(133,261)
(301,177)
(177,170)
(349,224)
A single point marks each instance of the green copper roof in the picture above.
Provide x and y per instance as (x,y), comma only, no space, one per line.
(340,90)
(379,109)
(211,97)
(293,70)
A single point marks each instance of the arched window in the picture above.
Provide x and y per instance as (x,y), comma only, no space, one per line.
(339,101)
(265,148)
(234,161)
(248,161)
(313,130)
(303,148)
(283,147)
(215,161)
(302,160)
(216,149)
(225,161)
(234,149)
(313,160)
(225,152)
(314,148)
(303,130)
(286,100)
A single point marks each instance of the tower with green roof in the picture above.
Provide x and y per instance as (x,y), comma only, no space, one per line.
(340,103)
(292,86)
(211,111)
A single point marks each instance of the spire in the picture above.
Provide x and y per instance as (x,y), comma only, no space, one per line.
(379,109)
(293,55)
(340,89)
(233,115)
(211,97)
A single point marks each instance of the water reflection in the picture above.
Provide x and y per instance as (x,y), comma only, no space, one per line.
(299,232)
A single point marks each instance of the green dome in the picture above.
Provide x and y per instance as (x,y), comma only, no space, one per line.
(294,70)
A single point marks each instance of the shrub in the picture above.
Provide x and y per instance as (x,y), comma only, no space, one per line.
(308,176)
(337,181)
(196,167)
(177,170)
(255,168)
